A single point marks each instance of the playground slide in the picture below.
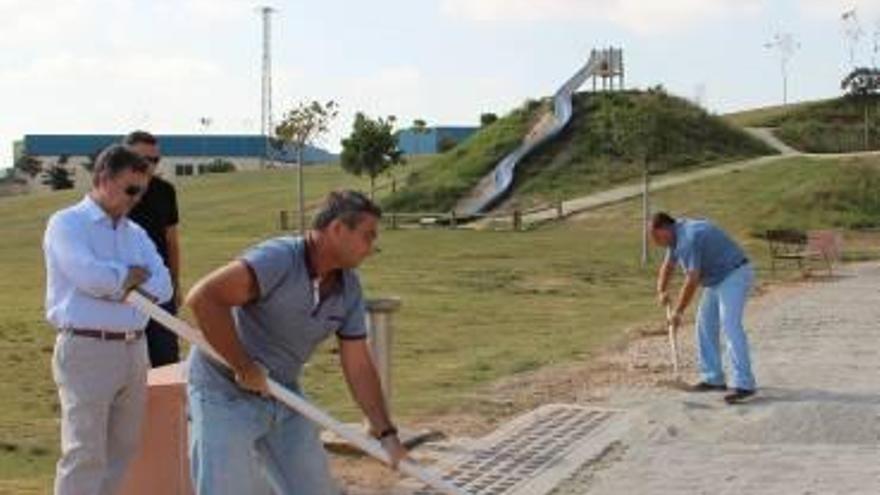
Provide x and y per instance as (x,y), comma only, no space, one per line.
(497,184)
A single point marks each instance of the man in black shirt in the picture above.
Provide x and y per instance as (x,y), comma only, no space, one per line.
(157,214)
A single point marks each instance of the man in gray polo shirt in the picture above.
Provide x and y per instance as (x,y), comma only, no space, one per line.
(709,257)
(265,313)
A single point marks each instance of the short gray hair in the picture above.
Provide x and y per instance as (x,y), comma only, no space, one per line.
(346,205)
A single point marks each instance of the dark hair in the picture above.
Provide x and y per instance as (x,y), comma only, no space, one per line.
(662,220)
(136,137)
(346,205)
(115,159)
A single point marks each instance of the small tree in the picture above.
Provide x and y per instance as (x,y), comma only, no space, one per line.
(299,128)
(89,164)
(371,148)
(58,178)
(28,165)
(487,119)
(861,82)
(446,144)
(419,126)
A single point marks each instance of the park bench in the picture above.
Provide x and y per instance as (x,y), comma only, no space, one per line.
(801,246)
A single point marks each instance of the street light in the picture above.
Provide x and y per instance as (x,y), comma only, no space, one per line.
(852,31)
(205,122)
(786,45)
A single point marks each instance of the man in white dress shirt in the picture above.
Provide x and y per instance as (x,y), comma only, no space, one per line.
(94,257)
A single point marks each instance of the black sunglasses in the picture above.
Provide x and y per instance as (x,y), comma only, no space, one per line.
(134,190)
(153,159)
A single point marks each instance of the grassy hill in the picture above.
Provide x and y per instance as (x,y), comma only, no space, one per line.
(766,116)
(603,145)
(477,305)
(449,176)
(611,133)
(826,126)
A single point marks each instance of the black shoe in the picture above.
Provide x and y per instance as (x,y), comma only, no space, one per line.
(739,395)
(706,387)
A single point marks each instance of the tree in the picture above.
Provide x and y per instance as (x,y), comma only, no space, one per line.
(300,127)
(446,144)
(371,148)
(487,119)
(419,126)
(861,82)
(28,165)
(89,164)
(58,178)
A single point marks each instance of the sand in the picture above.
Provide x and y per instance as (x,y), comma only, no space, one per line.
(815,428)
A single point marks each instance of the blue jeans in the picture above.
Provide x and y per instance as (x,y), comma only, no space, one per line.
(241,443)
(722,307)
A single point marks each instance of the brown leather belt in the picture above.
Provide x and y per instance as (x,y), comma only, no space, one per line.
(126,335)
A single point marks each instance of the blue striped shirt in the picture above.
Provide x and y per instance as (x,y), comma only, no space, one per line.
(87,260)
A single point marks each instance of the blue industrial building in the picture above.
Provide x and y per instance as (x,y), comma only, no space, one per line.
(181,154)
(432,139)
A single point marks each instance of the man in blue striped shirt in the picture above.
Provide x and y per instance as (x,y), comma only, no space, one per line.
(94,257)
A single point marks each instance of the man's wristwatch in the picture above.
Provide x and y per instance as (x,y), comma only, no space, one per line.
(387,432)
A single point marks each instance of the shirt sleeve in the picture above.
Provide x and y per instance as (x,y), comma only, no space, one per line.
(67,245)
(159,283)
(270,261)
(354,326)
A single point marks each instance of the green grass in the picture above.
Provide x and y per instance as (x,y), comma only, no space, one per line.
(769,116)
(609,135)
(603,145)
(825,126)
(477,306)
(443,181)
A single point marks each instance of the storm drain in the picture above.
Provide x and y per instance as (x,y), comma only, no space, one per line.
(531,454)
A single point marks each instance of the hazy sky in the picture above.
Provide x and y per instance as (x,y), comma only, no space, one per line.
(108,66)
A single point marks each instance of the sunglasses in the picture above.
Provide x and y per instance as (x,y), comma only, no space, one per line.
(152,159)
(134,190)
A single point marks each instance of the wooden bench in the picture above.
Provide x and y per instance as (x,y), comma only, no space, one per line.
(800,246)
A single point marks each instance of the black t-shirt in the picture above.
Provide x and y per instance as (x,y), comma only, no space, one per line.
(156,211)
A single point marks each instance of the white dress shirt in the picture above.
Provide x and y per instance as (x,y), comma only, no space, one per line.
(87,260)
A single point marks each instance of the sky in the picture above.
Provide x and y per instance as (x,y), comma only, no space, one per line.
(110,66)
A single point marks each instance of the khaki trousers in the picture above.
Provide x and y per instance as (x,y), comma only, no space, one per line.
(103,389)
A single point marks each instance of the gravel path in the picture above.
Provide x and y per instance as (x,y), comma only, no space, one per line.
(815,429)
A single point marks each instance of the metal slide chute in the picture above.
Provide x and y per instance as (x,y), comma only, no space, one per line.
(495,186)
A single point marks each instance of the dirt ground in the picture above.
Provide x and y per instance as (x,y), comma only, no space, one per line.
(640,360)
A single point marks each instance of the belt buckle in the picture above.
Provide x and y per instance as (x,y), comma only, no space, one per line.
(130,336)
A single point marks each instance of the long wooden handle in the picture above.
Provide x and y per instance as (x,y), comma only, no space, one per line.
(673,338)
(297,403)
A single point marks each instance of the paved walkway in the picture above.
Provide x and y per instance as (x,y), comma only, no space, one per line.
(815,429)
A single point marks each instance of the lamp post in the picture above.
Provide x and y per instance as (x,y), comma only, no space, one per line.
(786,45)
(205,123)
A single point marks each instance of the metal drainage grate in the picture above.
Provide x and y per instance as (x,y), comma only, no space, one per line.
(531,454)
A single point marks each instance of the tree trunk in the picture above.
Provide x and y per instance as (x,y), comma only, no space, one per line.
(301,188)
(646,213)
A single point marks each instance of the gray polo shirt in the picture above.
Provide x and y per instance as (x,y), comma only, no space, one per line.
(286,323)
(700,245)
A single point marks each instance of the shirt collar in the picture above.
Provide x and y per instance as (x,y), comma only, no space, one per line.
(677,232)
(338,278)
(94,211)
